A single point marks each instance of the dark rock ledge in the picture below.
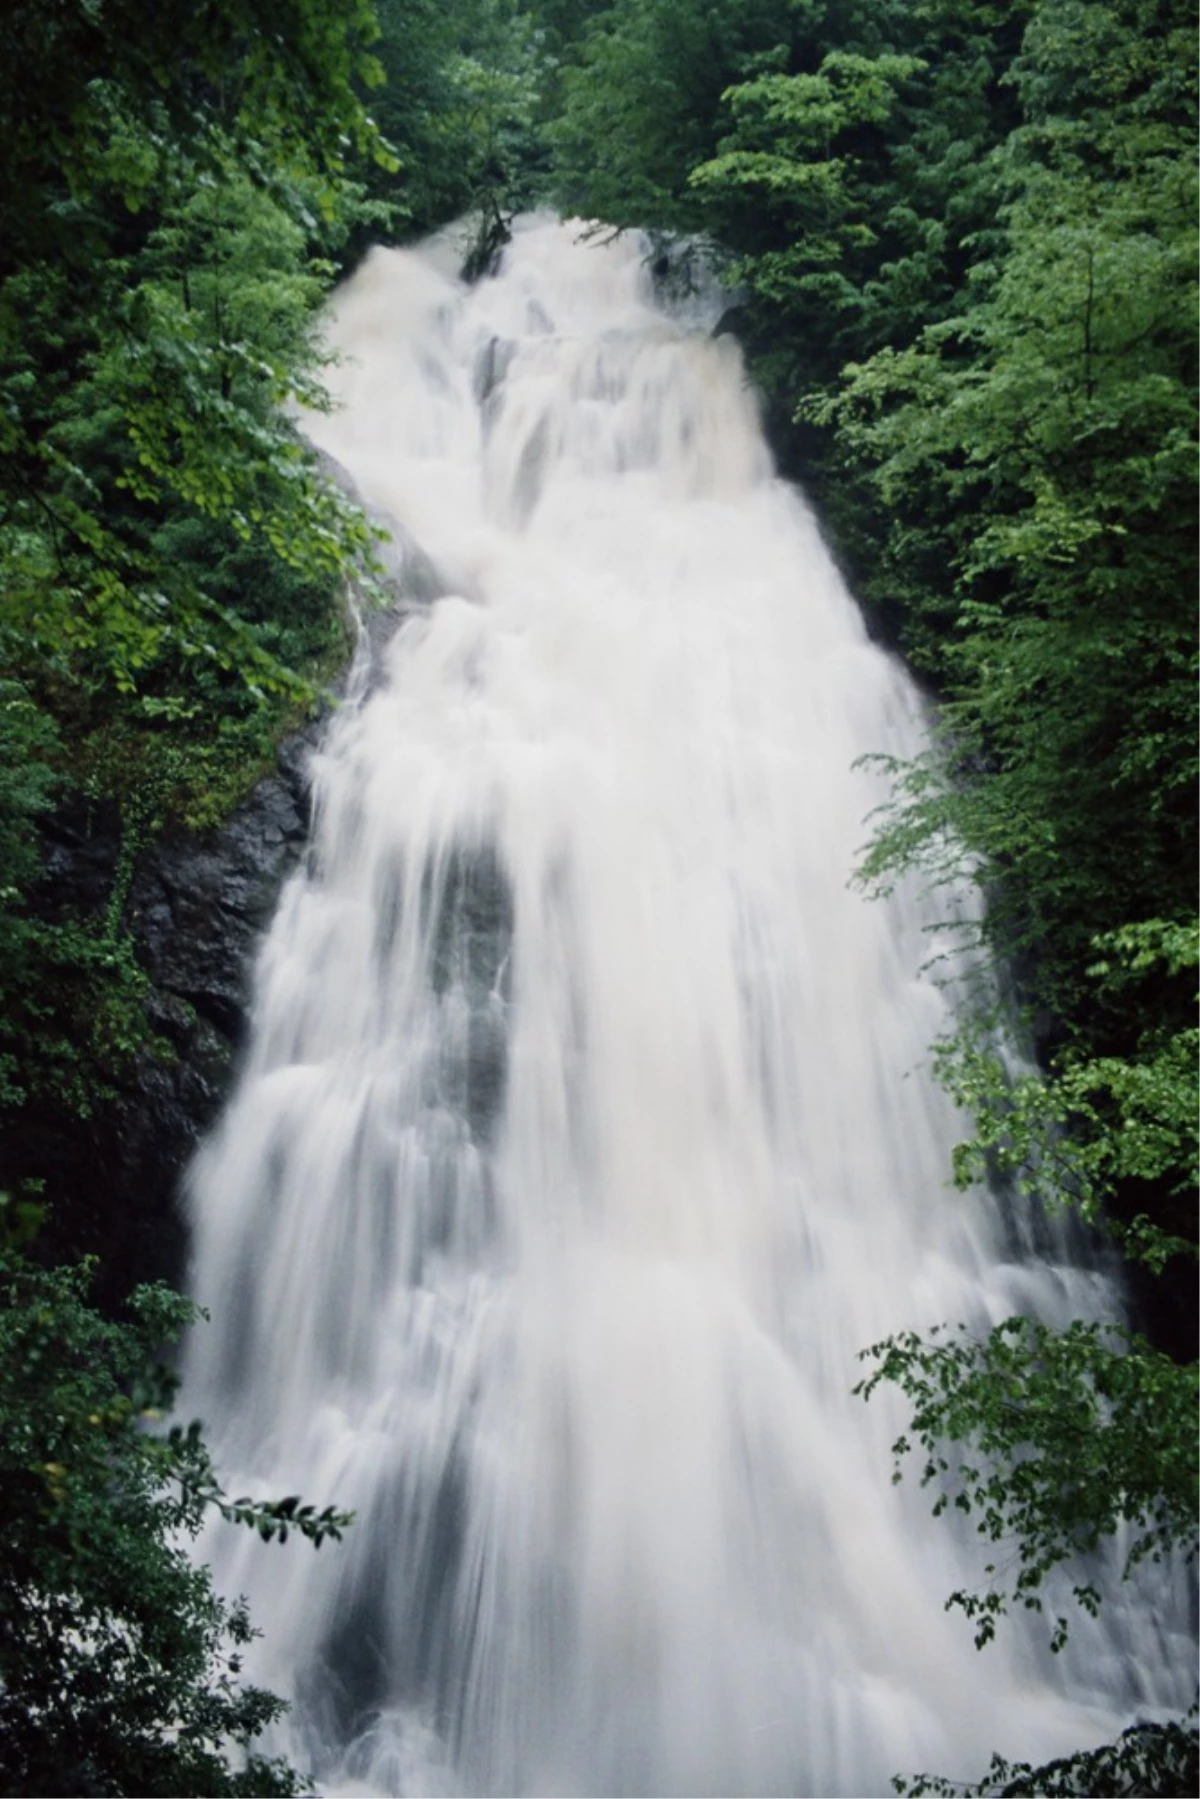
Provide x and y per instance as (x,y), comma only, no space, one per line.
(196,910)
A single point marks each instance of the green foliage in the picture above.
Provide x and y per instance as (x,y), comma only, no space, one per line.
(1064,1437)
(1051,1443)
(497,75)
(284,75)
(1147,1758)
(641,91)
(1035,444)
(72,1011)
(28,739)
(180,362)
(795,156)
(171,193)
(119,1664)
(1040,446)
(1093,1130)
(852,177)
(462,105)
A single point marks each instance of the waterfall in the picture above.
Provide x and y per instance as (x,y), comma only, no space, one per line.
(584,1135)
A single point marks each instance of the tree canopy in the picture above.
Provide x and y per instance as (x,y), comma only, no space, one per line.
(176,183)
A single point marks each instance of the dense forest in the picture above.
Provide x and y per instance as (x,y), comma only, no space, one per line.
(961,242)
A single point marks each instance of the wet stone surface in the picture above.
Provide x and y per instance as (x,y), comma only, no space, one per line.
(195,911)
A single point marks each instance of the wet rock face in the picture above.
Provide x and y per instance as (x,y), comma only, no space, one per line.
(198,906)
(195,911)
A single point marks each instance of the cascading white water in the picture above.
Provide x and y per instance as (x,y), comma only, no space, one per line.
(583,1139)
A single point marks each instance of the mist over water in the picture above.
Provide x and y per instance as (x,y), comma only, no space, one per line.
(585,1137)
